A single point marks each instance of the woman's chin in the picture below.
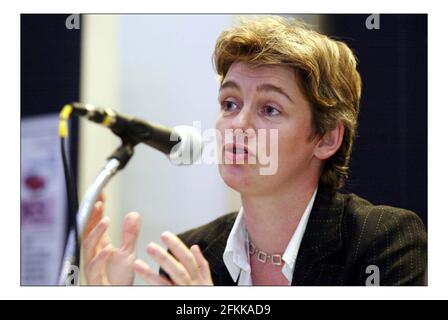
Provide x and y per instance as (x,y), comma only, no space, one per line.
(238,177)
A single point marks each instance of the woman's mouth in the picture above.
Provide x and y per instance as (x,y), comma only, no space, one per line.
(236,153)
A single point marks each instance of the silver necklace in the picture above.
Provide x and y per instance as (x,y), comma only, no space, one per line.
(264,257)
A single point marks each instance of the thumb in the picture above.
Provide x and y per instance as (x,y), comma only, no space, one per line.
(131,229)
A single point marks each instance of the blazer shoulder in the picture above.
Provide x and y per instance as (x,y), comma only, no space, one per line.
(210,232)
(361,215)
(392,239)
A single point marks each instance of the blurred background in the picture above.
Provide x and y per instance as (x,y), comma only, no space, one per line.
(159,68)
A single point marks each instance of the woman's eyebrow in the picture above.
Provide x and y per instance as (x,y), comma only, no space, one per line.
(267,87)
(231,85)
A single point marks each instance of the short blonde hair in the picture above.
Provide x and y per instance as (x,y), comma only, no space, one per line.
(325,69)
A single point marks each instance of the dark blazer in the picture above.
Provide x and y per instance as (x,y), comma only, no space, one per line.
(345,234)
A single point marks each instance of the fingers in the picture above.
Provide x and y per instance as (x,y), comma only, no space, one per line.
(95,218)
(182,253)
(176,271)
(150,275)
(131,229)
(204,268)
(94,269)
(183,265)
(102,197)
(91,242)
(104,242)
(96,215)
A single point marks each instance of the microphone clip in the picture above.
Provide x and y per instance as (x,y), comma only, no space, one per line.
(123,154)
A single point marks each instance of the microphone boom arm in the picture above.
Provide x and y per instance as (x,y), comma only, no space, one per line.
(116,162)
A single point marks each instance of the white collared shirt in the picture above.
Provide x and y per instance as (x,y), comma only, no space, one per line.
(236,254)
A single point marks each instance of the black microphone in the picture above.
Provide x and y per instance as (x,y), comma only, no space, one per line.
(183,144)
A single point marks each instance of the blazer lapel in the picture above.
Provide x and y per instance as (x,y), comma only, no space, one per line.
(322,239)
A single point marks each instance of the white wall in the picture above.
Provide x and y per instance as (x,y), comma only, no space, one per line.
(99,85)
(159,68)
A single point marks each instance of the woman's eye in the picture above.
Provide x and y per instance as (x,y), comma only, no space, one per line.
(229,105)
(271,111)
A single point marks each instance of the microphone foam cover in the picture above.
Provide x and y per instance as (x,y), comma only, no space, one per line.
(189,149)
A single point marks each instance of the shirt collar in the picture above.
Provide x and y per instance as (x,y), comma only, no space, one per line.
(236,253)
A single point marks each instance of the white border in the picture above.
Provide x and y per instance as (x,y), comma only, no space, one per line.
(437,145)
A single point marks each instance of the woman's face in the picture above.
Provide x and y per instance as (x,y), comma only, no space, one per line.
(269,98)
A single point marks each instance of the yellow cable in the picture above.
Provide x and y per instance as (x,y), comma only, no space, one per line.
(64,115)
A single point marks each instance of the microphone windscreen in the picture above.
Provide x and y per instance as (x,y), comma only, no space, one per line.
(189,149)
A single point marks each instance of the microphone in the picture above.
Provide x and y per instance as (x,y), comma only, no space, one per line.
(182,144)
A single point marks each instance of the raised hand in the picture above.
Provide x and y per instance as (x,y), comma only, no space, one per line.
(185,266)
(104,264)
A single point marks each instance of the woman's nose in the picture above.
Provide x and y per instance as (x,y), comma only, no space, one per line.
(245,119)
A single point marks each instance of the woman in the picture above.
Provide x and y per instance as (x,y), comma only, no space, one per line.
(294,227)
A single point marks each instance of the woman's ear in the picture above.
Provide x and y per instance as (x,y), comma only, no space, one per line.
(330,142)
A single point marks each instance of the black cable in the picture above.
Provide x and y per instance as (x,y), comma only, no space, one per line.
(72,197)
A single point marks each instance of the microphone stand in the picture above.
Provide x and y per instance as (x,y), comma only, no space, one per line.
(69,273)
